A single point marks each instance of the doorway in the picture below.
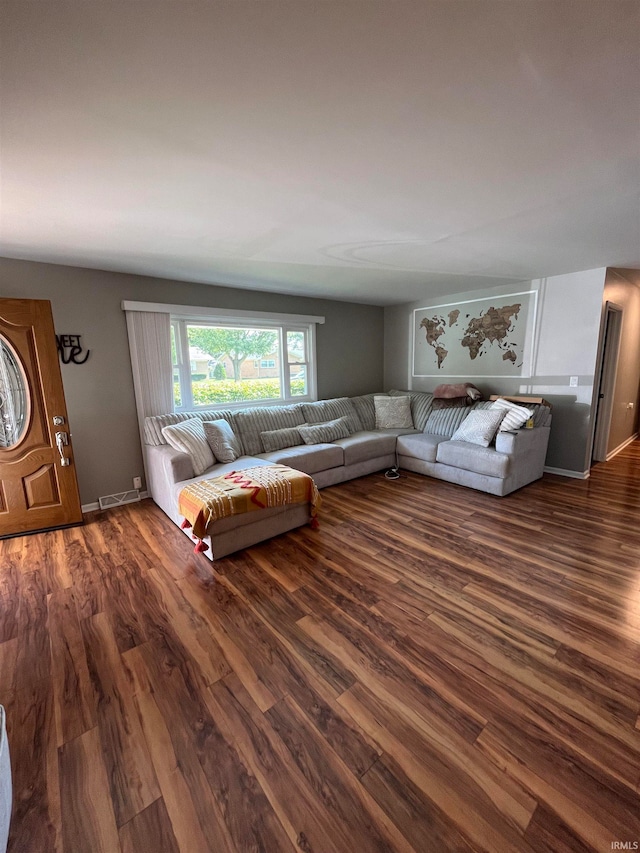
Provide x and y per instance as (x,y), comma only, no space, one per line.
(608,361)
(38,488)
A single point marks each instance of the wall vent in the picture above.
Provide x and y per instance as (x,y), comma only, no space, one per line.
(129,497)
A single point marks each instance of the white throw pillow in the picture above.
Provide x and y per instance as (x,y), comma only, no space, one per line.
(515,415)
(189,437)
(393,412)
(479,427)
(223,441)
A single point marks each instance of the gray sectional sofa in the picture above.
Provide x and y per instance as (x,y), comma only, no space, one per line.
(517,458)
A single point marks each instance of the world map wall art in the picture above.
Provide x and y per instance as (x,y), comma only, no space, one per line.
(482,337)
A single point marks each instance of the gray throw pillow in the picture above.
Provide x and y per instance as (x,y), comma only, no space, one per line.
(326,432)
(479,427)
(421,405)
(223,442)
(393,413)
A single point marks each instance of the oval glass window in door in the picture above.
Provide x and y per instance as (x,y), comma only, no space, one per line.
(14,397)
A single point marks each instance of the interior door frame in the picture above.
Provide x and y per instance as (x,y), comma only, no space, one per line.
(605,379)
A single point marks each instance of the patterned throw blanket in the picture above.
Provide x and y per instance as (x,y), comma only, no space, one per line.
(244,491)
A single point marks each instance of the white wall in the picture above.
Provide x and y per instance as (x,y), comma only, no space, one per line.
(565,345)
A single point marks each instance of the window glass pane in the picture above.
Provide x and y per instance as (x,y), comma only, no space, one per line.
(13,397)
(298,380)
(296,347)
(297,358)
(174,351)
(230,365)
(177,397)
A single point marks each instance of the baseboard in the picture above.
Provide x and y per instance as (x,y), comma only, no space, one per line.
(92,507)
(621,446)
(566,472)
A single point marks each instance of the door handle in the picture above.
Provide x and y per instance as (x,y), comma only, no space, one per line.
(62,440)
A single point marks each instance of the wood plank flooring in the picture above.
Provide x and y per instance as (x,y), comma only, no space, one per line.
(433,670)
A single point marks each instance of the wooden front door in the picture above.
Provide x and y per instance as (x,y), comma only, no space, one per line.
(38,488)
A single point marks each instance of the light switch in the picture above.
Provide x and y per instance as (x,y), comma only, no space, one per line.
(573,382)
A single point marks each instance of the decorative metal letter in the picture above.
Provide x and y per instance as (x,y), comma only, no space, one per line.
(73,345)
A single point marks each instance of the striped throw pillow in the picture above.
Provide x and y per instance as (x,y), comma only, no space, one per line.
(279,439)
(326,432)
(189,437)
(515,415)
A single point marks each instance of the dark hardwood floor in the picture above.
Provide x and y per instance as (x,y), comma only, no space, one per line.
(433,670)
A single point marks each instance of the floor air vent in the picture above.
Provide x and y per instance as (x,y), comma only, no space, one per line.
(129,497)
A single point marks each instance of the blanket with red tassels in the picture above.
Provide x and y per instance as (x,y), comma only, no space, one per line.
(207,501)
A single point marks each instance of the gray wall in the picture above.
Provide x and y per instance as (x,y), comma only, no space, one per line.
(565,345)
(623,288)
(99,394)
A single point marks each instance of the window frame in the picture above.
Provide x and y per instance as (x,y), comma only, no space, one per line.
(282,323)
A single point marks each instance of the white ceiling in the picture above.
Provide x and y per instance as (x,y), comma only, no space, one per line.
(370,151)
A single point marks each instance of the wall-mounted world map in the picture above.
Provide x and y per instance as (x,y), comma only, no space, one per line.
(482,337)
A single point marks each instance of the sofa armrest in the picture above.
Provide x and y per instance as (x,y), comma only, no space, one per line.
(523,441)
(166,467)
(179,466)
(169,464)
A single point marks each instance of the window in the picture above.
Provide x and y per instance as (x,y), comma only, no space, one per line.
(222,362)
(175,369)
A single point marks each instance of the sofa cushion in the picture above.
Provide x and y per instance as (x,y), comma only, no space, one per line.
(445,421)
(393,412)
(330,410)
(278,439)
(362,446)
(472,457)
(365,407)
(251,422)
(189,437)
(309,458)
(479,427)
(224,443)
(421,405)
(325,432)
(421,446)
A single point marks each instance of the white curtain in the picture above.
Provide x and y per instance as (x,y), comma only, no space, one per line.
(150,345)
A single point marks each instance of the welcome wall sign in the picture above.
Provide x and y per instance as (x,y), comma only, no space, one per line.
(70,349)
